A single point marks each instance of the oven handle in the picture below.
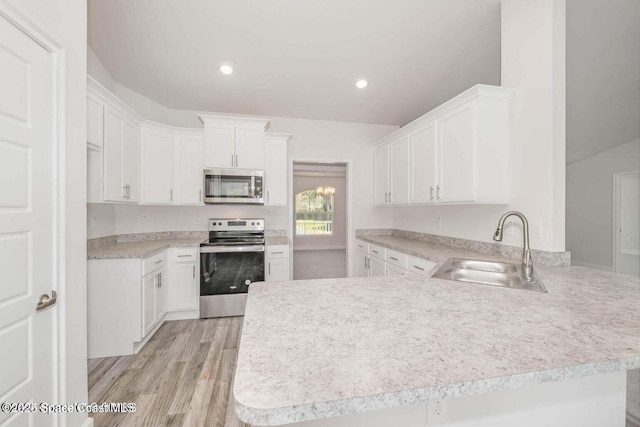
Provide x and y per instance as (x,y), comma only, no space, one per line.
(229,249)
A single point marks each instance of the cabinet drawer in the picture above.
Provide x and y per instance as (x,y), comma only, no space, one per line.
(377,251)
(153,263)
(395,271)
(277,251)
(396,258)
(362,246)
(419,265)
(184,254)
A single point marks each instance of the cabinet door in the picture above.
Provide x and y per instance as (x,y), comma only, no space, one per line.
(148,303)
(362,269)
(381,171)
(219,146)
(158,158)
(424,162)
(130,161)
(377,267)
(395,271)
(161,294)
(95,111)
(277,270)
(191,168)
(399,171)
(249,147)
(457,156)
(183,287)
(276,174)
(114,124)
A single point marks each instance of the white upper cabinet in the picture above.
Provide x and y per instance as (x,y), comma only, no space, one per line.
(423,155)
(381,179)
(234,142)
(392,172)
(189,172)
(95,109)
(158,161)
(399,171)
(219,147)
(457,153)
(276,169)
(113,134)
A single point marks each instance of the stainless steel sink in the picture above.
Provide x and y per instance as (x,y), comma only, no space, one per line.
(491,273)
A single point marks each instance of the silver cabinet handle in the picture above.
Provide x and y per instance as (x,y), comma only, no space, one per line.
(128,192)
(393,258)
(200,196)
(194,271)
(184,256)
(269,268)
(236,160)
(233,287)
(171,195)
(431,193)
(418,268)
(232,165)
(159,261)
(438,192)
(276,253)
(374,251)
(160,280)
(46,301)
(386,197)
(267,196)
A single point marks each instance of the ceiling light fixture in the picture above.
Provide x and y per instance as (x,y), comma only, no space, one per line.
(362,83)
(226,69)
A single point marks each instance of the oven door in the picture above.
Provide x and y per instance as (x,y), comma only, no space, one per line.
(233,186)
(230,270)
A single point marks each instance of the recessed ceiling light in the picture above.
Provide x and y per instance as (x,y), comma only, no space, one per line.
(226,69)
(361,84)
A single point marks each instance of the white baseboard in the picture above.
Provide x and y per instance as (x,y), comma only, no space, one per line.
(182,315)
(318,248)
(594,266)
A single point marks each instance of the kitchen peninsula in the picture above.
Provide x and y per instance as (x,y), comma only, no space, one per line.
(338,352)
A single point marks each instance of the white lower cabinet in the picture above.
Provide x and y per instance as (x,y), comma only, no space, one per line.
(154,294)
(184,284)
(129,298)
(373,260)
(276,261)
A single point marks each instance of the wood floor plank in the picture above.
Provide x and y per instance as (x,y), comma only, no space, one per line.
(181,377)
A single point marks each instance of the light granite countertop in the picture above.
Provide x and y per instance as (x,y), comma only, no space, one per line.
(142,249)
(427,250)
(147,248)
(322,348)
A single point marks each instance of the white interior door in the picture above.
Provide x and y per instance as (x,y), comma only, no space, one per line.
(627,247)
(27,226)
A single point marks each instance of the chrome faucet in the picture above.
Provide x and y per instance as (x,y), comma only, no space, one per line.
(527,262)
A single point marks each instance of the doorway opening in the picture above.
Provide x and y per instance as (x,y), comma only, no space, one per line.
(319,220)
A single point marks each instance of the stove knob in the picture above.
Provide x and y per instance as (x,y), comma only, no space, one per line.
(253,223)
(219,223)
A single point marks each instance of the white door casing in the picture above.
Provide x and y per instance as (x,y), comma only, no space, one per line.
(626,250)
(28,223)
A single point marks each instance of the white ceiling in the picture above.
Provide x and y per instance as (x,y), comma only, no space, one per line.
(300,58)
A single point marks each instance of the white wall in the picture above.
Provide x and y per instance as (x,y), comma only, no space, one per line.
(101,220)
(338,240)
(590,204)
(66,22)
(533,64)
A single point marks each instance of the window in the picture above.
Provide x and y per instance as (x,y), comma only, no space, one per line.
(314,212)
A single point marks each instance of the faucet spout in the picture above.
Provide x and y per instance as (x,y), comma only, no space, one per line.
(527,261)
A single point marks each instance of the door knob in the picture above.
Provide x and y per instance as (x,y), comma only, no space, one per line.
(45,301)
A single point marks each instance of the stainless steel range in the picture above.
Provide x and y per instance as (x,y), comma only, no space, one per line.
(230,260)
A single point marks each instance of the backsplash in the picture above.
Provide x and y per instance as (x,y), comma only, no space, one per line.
(514,252)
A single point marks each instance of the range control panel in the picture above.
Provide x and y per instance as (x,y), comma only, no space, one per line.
(236,224)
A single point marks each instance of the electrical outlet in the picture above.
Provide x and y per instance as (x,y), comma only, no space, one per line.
(439,222)
(142,219)
(197,220)
(436,411)
(94,220)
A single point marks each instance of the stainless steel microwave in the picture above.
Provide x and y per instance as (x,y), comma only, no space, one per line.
(233,186)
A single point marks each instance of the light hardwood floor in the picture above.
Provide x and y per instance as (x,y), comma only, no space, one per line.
(182,377)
